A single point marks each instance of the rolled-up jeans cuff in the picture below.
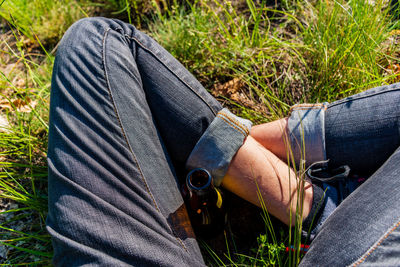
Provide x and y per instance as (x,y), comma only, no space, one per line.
(306,126)
(219,143)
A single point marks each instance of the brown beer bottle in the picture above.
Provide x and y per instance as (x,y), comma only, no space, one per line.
(206,208)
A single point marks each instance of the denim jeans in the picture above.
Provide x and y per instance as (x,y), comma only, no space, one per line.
(361,131)
(127,120)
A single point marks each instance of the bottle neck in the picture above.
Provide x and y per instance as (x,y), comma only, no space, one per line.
(199,181)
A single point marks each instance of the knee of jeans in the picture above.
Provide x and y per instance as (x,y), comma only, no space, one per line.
(79,58)
(84,34)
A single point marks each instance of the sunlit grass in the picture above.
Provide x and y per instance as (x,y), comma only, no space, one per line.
(46,19)
(276,55)
(349,45)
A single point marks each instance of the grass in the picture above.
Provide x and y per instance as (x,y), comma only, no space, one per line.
(217,44)
(350,44)
(23,142)
(47,19)
(257,58)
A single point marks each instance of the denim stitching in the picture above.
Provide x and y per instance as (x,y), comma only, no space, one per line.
(126,139)
(369,252)
(305,106)
(221,113)
(232,125)
(155,56)
(119,120)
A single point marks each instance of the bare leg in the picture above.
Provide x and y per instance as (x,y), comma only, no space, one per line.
(255,165)
(272,136)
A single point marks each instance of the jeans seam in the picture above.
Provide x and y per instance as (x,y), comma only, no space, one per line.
(373,248)
(363,96)
(119,119)
(125,137)
(232,125)
(316,105)
(244,129)
(305,106)
(155,56)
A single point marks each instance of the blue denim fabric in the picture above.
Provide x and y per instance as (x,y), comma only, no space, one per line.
(306,125)
(219,144)
(361,131)
(124,118)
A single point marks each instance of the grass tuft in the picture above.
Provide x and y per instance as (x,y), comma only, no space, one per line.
(348,42)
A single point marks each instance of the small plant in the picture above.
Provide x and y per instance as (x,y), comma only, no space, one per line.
(268,254)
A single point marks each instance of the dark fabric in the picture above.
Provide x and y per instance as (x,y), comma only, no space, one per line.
(318,205)
(362,131)
(124,115)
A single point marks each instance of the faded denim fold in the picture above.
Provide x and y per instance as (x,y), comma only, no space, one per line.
(219,143)
(306,126)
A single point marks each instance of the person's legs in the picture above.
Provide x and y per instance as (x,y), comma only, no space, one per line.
(364,228)
(121,109)
(362,131)
(364,124)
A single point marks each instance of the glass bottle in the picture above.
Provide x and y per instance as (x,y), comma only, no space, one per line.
(205,204)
